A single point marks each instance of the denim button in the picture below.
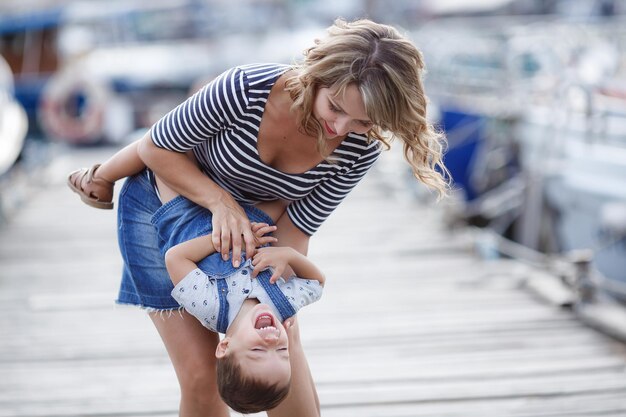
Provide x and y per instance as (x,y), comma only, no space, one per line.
(244,272)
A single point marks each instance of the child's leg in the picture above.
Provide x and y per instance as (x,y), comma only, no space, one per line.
(165,192)
(124,163)
(95,185)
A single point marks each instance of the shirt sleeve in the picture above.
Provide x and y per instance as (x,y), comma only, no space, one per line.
(216,106)
(197,294)
(299,291)
(308,213)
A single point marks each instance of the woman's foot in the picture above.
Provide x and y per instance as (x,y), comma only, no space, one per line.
(94,191)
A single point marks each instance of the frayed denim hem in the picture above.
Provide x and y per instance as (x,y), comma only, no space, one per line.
(162,311)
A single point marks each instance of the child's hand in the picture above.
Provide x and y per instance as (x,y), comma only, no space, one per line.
(288,323)
(260,231)
(276,257)
(292,329)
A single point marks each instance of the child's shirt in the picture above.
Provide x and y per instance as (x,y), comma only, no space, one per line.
(215,301)
(215,291)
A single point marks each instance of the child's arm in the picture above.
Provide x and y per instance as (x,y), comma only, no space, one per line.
(183,258)
(280,258)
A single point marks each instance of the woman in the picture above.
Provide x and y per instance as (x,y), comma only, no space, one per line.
(303,134)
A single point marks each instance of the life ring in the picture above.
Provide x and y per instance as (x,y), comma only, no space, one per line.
(72,106)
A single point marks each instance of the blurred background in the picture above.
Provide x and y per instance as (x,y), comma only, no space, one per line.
(531,95)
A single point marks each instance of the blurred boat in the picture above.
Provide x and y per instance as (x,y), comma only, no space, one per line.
(575,150)
(90,73)
(536,119)
(65,100)
(13,120)
(27,44)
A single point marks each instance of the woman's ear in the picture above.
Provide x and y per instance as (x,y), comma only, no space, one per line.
(222,348)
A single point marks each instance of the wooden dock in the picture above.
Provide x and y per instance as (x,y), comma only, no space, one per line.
(412,323)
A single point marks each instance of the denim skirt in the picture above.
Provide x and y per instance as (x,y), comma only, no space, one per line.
(146,229)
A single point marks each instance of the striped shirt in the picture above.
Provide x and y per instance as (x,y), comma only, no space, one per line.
(221,124)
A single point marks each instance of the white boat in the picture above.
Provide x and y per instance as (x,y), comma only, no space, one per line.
(554,91)
(13,120)
(576,149)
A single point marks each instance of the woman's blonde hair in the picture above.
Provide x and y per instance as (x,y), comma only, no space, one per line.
(387,68)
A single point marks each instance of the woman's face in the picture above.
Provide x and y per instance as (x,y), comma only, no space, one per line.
(341,114)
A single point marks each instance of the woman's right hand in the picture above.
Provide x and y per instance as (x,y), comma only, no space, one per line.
(180,172)
(232,229)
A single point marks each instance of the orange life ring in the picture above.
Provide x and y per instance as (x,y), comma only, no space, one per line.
(71,108)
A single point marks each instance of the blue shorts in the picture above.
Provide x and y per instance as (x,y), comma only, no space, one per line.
(146,229)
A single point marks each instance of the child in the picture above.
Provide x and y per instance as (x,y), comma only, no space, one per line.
(249,304)
(253,360)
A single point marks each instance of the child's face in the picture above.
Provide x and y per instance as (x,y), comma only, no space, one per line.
(259,341)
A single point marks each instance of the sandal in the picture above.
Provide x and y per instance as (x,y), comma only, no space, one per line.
(97,192)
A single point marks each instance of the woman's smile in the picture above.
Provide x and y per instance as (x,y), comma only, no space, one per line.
(329,130)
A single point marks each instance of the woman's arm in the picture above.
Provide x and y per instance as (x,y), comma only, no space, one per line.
(287,234)
(230,222)
(302,400)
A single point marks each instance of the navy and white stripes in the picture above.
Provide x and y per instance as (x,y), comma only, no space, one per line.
(221,124)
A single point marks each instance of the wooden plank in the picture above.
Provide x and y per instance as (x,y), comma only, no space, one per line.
(453,390)
(608,317)
(581,405)
(448,334)
(55,394)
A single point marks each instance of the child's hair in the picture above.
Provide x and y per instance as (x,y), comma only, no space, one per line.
(247,395)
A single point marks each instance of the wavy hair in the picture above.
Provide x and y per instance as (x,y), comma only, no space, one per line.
(387,69)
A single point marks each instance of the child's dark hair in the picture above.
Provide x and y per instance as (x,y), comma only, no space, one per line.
(247,395)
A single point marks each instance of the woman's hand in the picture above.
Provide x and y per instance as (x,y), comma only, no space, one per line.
(230,225)
(181,173)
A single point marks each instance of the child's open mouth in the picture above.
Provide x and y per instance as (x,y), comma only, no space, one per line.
(264,320)
(264,323)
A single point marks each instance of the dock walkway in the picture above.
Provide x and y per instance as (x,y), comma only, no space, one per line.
(412,323)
